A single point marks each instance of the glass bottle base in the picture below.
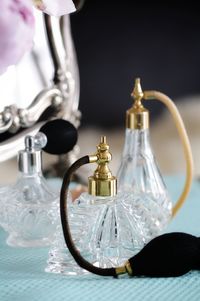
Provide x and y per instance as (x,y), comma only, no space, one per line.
(16,241)
(65,269)
(63,265)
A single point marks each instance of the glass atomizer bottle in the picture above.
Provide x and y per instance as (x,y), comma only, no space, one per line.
(30,208)
(138,172)
(105,225)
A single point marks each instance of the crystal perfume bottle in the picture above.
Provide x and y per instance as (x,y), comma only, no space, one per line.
(29,207)
(107,227)
(138,173)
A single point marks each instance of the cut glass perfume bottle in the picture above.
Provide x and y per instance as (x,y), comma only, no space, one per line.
(107,228)
(29,207)
(139,174)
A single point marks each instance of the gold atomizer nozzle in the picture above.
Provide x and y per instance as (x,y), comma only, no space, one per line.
(102,183)
(137,117)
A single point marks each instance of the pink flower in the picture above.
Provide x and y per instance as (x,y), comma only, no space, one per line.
(55,7)
(16,31)
(17,26)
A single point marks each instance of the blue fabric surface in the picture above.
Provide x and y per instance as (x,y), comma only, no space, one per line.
(22,276)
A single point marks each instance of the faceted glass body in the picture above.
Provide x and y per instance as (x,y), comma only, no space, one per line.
(139,174)
(101,231)
(109,230)
(29,211)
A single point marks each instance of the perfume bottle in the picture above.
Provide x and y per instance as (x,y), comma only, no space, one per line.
(107,227)
(138,173)
(29,208)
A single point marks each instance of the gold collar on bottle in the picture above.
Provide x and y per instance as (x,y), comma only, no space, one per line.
(137,117)
(102,183)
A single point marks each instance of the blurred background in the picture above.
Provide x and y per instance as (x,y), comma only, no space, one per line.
(117,41)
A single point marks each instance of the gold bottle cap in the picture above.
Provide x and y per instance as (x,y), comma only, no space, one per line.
(137,117)
(102,183)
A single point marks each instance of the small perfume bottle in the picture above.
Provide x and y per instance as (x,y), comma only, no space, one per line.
(138,173)
(106,226)
(30,209)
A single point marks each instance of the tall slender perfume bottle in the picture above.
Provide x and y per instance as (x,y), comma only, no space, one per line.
(29,207)
(138,173)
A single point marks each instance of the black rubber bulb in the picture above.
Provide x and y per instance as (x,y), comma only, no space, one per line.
(168,255)
(61,136)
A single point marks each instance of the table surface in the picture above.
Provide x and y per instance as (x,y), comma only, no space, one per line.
(22,276)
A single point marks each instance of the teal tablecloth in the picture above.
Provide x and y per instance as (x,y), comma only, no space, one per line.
(22,276)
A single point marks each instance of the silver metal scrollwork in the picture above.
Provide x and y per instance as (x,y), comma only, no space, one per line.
(62,95)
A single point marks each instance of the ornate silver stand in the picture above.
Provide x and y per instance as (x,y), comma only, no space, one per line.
(61,96)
